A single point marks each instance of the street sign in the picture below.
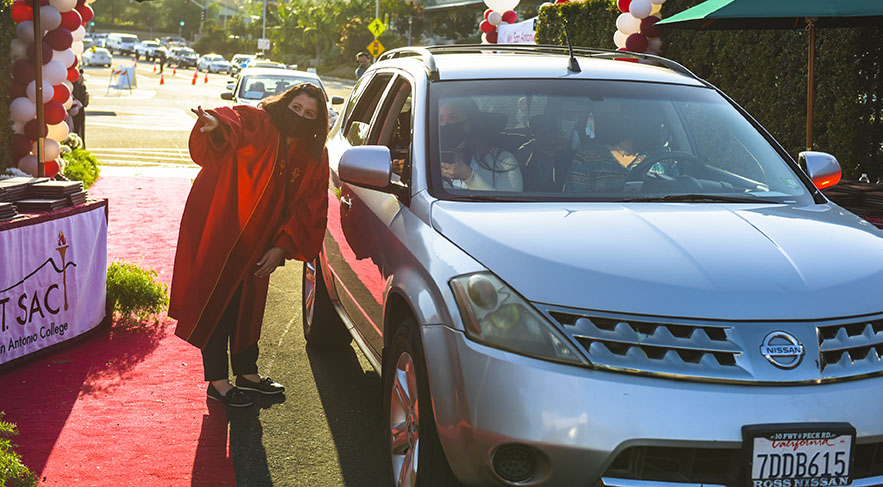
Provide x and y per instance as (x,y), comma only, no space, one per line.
(376,48)
(263,44)
(376,27)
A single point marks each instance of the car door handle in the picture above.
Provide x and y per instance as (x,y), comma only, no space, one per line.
(346,203)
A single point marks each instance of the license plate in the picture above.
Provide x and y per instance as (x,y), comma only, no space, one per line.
(799,455)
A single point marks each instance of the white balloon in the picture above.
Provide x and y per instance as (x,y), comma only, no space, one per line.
(50,18)
(54,72)
(657,2)
(619,39)
(640,8)
(63,5)
(59,131)
(69,85)
(68,103)
(654,44)
(18,127)
(24,31)
(501,5)
(18,49)
(48,91)
(22,109)
(495,18)
(77,47)
(628,24)
(28,164)
(51,149)
(66,57)
(484,38)
(79,34)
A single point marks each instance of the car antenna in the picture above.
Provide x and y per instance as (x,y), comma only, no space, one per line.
(573,64)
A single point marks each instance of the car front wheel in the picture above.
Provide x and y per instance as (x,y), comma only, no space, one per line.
(323,328)
(414,454)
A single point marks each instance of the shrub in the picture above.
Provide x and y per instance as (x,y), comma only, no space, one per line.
(13,473)
(81,165)
(134,292)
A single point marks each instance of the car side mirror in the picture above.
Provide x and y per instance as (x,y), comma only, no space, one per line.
(337,100)
(227,95)
(821,167)
(367,166)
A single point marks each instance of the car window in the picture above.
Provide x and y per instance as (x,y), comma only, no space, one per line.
(260,87)
(358,122)
(599,140)
(395,127)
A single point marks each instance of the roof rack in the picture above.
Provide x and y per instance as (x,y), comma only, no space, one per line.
(425,54)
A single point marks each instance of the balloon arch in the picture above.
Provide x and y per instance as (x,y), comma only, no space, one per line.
(63,25)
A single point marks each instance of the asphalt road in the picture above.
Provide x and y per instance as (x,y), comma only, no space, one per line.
(326,429)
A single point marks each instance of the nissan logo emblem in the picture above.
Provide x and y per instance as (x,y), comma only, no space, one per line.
(782,349)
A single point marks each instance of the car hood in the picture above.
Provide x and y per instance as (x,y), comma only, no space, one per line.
(712,261)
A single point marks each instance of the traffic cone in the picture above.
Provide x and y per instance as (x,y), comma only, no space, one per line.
(154,66)
(162,80)
(206,77)
(136,61)
(195,75)
(174,71)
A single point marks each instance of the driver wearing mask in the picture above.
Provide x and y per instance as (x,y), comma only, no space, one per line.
(467,162)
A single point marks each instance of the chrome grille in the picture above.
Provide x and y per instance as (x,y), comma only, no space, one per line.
(702,351)
(851,348)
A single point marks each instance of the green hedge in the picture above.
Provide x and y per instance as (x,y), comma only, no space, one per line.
(765,71)
(7,33)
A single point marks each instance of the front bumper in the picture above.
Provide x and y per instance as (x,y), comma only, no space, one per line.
(578,419)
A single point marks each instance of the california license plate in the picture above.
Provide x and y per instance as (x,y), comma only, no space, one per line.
(799,455)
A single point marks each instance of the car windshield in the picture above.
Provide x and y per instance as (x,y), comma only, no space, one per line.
(132,39)
(261,86)
(594,140)
(151,43)
(214,57)
(186,51)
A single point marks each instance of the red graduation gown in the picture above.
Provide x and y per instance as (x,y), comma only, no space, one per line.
(239,207)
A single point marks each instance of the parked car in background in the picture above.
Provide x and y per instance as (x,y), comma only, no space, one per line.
(255,84)
(213,63)
(183,56)
(121,43)
(97,56)
(170,41)
(100,39)
(578,271)
(266,63)
(149,50)
(240,62)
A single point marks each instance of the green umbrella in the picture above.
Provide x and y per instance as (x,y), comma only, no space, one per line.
(781,14)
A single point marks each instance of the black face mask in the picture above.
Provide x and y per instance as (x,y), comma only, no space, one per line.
(298,127)
(451,135)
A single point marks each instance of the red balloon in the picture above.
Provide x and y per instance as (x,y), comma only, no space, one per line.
(50,168)
(649,27)
(21,146)
(23,71)
(561,1)
(623,5)
(73,74)
(21,11)
(510,16)
(87,13)
(31,130)
(61,93)
(71,20)
(487,12)
(492,37)
(43,3)
(59,39)
(636,43)
(76,62)
(17,90)
(47,53)
(486,26)
(54,113)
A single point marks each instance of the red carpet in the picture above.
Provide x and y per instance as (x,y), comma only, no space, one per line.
(123,407)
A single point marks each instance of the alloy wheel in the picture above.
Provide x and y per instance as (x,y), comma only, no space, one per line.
(404,423)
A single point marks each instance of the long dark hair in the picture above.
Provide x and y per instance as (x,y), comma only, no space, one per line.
(277,108)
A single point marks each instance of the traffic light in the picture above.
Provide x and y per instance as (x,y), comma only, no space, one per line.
(182,23)
(202,15)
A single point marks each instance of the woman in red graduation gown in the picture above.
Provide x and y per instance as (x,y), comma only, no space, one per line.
(261,197)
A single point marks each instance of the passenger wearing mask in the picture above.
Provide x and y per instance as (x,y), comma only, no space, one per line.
(467,162)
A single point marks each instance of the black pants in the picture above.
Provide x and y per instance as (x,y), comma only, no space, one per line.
(214,355)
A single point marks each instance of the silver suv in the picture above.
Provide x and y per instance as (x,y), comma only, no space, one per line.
(572,270)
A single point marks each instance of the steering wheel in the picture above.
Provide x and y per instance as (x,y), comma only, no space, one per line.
(640,170)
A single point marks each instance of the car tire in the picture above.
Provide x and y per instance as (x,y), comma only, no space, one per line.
(404,369)
(323,328)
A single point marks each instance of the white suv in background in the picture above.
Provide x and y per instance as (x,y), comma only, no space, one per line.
(121,43)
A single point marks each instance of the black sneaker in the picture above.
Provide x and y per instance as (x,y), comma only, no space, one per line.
(265,386)
(233,398)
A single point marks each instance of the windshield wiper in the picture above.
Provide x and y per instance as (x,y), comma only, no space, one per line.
(697,198)
(486,197)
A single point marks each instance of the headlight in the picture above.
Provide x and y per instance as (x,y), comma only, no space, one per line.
(497,316)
